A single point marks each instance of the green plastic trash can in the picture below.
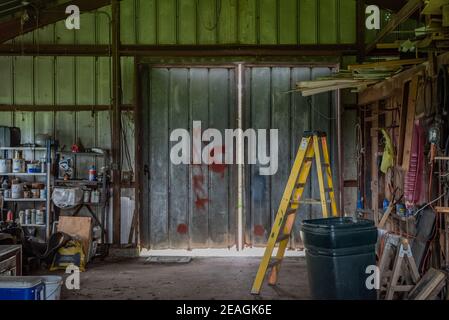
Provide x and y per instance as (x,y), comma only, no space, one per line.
(338,252)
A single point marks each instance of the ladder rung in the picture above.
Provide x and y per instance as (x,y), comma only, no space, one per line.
(274,262)
(325,165)
(308,201)
(291,211)
(308,159)
(328,190)
(300,185)
(283,237)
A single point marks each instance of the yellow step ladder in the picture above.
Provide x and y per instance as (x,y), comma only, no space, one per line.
(291,199)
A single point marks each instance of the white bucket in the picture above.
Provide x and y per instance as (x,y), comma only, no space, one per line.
(18,166)
(52,287)
(5,165)
(17,191)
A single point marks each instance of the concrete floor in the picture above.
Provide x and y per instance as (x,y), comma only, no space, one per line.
(202,278)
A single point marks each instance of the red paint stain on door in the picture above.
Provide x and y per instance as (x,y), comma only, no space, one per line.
(182,228)
(259,230)
(219,168)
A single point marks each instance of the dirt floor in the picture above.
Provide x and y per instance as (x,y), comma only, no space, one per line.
(202,278)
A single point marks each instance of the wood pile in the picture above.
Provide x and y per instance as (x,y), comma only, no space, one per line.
(356,77)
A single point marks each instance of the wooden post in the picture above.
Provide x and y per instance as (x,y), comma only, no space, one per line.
(374,162)
(116,121)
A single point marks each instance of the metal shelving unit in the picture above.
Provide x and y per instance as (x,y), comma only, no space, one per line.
(47,176)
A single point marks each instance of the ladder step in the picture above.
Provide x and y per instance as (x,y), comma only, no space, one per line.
(291,211)
(308,201)
(300,185)
(283,237)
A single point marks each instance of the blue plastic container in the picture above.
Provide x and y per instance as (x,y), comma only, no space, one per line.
(22,288)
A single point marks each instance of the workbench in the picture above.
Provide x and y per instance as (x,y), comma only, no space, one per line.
(10,260)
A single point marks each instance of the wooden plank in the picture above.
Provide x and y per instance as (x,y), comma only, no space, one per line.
(268,22)
(374,163)
(347,20)
(328,26)
(410,123)
(434,7)
(407,10)
(227,23)
(323,83)
(403,121)
(146,21)
(386,64)
(23,80)
(389,87)
(427,285)
(199,174)
(80,227)
(247,11)
(207,22)
(288,22)
(308,27)
(166,18)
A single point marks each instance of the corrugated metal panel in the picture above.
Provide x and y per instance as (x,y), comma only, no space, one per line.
(64,81)
(187,206)
(271,105)
(200,200)
(215,22)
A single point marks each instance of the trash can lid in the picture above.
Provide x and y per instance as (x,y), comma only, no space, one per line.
(338,223)
(22,282)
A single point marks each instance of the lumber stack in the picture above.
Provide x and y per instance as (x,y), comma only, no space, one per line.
(356,77)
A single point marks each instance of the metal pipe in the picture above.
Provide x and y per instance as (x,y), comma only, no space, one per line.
(116,122)
(240,158)
(341,179)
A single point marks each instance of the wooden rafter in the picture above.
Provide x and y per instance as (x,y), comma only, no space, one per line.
(12,28)
(403,14)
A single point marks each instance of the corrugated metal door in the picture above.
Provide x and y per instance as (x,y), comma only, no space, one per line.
(271,104)
(194,206)
(187,206)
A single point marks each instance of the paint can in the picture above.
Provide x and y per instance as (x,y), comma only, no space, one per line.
(17,191)
(18,166)
(26,194)
(7,193)
(33,168)
(5,165)
(21,217)
(27,216)
(95,196)
(86,196)
(36,193)
(40,217)
(33,216)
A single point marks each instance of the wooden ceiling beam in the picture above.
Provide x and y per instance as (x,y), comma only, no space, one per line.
(403,14)
(10,29)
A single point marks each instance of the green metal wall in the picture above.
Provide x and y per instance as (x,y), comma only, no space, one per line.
(238,21)
(201,22)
